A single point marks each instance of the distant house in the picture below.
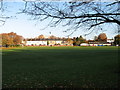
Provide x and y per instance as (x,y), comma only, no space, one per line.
(45,42)
(84,44)
(35,43)
(100,43)
(110,40)
(55,42)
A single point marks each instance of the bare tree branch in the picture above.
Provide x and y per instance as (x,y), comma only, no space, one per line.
(2,16)
(75,14)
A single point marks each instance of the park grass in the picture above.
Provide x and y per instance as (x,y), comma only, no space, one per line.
(61,67)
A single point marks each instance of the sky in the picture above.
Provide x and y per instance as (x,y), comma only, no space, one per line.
(23,25)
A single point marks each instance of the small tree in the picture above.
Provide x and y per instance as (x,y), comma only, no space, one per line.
(74,41)
(41,37)
(102,37)
(78,40)
(95,38)
(82,40)
(47,42)
(117,40)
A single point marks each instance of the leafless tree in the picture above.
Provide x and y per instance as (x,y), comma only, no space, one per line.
(75,14)
(2,16)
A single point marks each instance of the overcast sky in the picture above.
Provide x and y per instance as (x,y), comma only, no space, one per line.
(22,25)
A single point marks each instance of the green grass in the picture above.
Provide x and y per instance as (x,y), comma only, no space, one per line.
(40,67)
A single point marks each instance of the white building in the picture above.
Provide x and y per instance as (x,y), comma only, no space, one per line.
(55,42)
(36,43)
(33,42)
(110,40)
(93,44)
(84,44)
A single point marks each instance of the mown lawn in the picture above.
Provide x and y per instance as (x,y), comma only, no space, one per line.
(62,67)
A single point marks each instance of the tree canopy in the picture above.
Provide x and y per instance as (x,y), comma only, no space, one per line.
(102,37)
(10,39)
(117,40)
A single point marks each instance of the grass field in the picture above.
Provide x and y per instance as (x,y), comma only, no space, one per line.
(62,67)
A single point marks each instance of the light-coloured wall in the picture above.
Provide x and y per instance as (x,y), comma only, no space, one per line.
(100,44)
(36,42)
(51,42)
(58,42)
(84,44)
(110,41)
(106,44)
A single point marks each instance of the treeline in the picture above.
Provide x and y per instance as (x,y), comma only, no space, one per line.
(101,38)
(78,40)
(10,39)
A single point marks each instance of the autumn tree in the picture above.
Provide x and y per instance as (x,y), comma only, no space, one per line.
(11,39)
(82,40)
(78,40)
(52,37)
(69,40)
(102,37)
(41,37)
(6,40)
(17,40)
(75,14)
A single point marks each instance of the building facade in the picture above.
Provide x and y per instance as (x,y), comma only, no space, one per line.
(44,42)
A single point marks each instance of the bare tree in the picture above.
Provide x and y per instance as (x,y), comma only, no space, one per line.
(1,7)
(2,16)
(75,14)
